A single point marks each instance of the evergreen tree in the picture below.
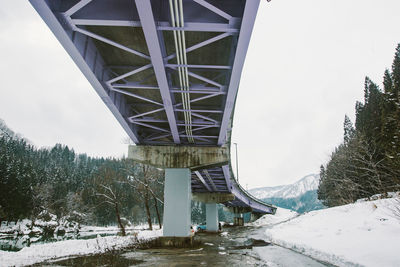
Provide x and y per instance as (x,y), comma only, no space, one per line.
(349,130)
(368,161)
(59,181)
(396,73)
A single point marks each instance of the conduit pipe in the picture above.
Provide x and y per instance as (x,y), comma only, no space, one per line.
(180,47)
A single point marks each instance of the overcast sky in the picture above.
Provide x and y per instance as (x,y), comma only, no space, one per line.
(304,71)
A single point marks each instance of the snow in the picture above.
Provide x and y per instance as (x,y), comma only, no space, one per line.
(23,227)
(90,230)
(364,233)
(278,256)
(280,216)
(307,183)
(39,253)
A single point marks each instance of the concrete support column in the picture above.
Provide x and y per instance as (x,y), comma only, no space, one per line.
(238,221)
(212,217)
(177,197)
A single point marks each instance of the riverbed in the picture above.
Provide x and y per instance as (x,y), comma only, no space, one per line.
(234,246)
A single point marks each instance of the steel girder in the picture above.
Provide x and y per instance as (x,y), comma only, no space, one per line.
(125,48)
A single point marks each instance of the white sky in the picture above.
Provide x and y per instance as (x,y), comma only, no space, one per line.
(304,71)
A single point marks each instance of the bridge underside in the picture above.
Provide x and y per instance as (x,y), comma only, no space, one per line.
(169,71)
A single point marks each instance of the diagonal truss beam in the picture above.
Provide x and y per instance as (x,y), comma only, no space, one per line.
(110,42)
(250,12)
(200,98)
(210,180)
(130,73)
(201,44)
(76,7)
(150,126)
(146,113)
(158,137)
(204,140)
(135,96)
(153,44)
(199,77)
(207,96)
(214,9)
(200,177)
(204,117)
(135,85)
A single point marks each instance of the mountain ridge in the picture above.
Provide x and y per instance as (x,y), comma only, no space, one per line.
(301,196)
(307,183)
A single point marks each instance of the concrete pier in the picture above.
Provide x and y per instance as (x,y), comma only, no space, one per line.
(212,217)
(238,220)
(177,197)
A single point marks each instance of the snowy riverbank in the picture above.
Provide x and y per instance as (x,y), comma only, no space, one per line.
(281,215)
(42,252)
(364,233)
(16,235)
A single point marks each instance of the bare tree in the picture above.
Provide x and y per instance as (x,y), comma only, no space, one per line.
(108,188)
(357,170)
(146,180)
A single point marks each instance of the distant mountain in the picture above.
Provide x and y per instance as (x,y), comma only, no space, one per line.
(307,183)
(300,196)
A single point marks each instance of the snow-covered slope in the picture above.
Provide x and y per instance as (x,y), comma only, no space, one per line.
(307,183)
(360,234)
(280,216)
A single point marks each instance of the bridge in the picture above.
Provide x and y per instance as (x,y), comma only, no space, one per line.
(169,71)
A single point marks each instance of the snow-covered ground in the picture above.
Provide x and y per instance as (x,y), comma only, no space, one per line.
(365,233)
(280,216)
(89,230)
(15,236)
(24,227)
(42,252)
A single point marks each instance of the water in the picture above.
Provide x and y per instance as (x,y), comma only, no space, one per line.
(16,243)
(234,247)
